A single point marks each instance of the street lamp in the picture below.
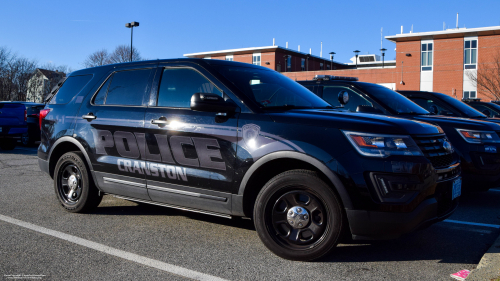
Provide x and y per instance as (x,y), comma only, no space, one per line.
(356,52)
(131,26)
(331,60)
(383,55)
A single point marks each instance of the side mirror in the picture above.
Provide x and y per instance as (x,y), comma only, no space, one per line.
(211,103)
(343,98)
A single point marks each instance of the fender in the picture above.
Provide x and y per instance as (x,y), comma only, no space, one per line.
(338,186)
(75,142)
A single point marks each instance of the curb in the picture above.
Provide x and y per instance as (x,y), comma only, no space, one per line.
(489,266)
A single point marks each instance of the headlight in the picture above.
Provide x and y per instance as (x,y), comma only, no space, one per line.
(375,145)
(472,136)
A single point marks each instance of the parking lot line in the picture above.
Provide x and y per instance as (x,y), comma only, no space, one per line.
(177,270)
(473,223)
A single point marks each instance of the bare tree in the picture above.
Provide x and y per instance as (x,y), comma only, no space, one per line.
(59,68)
(97,58)
(487,78)
(122,54)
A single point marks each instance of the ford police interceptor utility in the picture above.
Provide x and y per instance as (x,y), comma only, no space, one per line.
(237,140)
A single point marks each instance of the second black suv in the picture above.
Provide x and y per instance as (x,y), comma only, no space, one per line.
(477,142)
(233,139)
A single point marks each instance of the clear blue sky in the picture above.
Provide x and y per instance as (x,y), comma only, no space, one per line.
(66,32)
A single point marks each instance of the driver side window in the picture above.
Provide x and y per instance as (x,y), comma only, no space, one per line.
(178,85)
(429,105)
(331,94)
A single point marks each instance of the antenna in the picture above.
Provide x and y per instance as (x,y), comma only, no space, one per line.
(274,42)
(401,29)
(444,25)
(287,45)
(321,51)
(299,48)
(411,29)
(457,20)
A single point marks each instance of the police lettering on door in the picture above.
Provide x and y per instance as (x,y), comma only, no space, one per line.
(133,146)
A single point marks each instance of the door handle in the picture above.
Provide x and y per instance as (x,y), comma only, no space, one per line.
(159,121)
(89,116)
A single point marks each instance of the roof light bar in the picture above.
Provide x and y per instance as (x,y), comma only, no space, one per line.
(332,77)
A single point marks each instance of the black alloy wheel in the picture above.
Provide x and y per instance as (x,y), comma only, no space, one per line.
(298,216)
(73,184)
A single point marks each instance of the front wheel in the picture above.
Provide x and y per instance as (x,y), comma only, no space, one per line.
(298,216)
(73,184)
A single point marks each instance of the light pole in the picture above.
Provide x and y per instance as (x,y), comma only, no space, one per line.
(383,55)
(331,60)
(356,52)
(131,26)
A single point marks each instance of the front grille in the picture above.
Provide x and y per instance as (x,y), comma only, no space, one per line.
(433,149)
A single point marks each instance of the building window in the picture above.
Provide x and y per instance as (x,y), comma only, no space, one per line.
(470,54)
(289,63)
(321,66)
(470,94)
(229,57)
(426,56)
(303,64)
(256,59)
(328,66)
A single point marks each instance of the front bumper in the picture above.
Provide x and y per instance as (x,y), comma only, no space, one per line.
(376,225)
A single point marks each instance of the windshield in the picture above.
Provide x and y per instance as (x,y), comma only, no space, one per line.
(464,108)
(394,101)
(271,90)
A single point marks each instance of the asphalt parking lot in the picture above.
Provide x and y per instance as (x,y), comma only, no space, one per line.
(124,240)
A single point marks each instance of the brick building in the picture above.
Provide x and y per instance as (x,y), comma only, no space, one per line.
(428,61)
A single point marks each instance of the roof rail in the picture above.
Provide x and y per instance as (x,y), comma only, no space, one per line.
(332,77)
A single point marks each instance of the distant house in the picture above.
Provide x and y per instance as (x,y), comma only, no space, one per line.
(41,83)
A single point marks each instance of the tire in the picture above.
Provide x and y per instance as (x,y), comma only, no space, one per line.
(317,222)
(27,140)
(8,144)
(73,184)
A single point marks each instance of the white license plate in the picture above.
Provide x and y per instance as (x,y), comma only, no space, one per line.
(457,188)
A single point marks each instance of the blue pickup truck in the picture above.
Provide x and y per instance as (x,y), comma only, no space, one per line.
(13,124)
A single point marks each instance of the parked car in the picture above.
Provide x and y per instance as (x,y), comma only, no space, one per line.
(33,115)
(476,141)
(12,124)
(490,109)
(236,140)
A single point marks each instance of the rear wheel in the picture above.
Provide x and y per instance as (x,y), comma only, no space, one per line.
(8,144)
(298,216)
(73,184)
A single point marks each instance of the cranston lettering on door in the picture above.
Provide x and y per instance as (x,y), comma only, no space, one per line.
(133,146)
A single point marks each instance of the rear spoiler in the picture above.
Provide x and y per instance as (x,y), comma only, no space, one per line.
(54,90)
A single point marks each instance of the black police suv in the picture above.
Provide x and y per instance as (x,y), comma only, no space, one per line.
(232,139)
(476,141)
(490,109)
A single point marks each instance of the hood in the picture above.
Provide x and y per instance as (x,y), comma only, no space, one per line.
(359,122)
(462,123)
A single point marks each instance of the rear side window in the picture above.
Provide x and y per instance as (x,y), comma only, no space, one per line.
(124,88)
(71,87)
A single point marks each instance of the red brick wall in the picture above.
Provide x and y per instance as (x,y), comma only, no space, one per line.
(448,66)
(218,57)
(410,67)
(247,58)
(488,50)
